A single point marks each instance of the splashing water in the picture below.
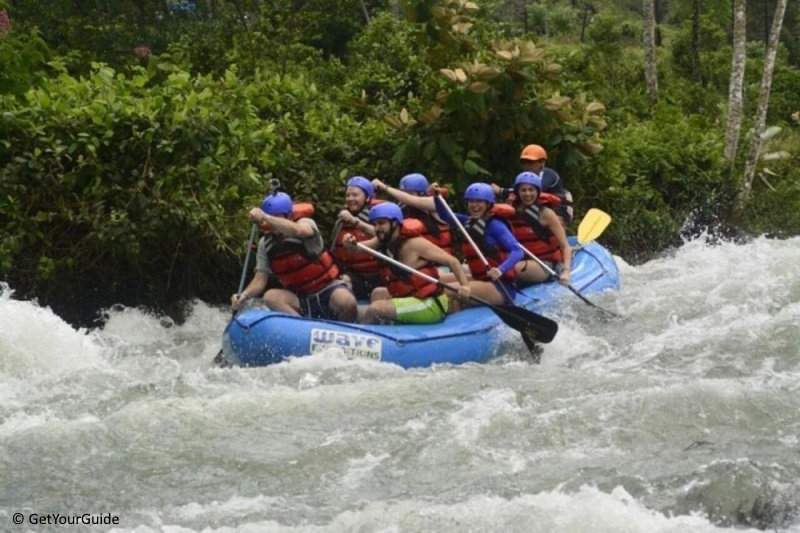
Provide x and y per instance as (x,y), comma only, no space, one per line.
(683,416)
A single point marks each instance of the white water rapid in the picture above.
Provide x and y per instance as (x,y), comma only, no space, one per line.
(682,417)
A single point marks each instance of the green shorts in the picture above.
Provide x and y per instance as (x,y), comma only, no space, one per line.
(412,310)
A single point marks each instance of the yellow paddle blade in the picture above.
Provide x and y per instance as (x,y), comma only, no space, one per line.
(593,225)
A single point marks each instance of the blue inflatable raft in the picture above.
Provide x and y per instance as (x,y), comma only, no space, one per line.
(258,337)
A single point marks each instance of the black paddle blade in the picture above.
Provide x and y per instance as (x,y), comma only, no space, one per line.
(533,327)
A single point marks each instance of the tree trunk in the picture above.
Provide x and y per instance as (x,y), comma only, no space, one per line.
(735,92)
(763,102)
(525,19)
(366,13)
(585,21)
(650,70)
(695,52)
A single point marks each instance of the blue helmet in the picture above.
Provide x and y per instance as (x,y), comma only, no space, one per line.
(386,210)
(278,203)
(479,191)
(414,183)
(529,178)
(362,183)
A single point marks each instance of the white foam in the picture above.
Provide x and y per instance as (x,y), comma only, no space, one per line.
(36,343)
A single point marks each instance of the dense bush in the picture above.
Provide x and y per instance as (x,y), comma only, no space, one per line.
(127,180)
(653,177)
(139,190)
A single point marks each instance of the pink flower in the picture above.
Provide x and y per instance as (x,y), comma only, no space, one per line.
(142,52)
(5,24)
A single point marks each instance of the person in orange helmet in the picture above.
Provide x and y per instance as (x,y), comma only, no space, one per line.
(533,159)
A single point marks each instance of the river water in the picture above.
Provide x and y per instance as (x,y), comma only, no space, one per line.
(682,417)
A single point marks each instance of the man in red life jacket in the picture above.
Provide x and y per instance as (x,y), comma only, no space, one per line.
(361,270)
(533,159)
(539,230)
(407,298)
(416,202)
(293,251)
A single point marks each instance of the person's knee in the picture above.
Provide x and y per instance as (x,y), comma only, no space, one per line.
(343,304)
(380,311)
(380,293)
(273,297)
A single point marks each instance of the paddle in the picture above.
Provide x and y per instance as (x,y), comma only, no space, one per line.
(592,225)
(220,358)
(533,327)
(570,286)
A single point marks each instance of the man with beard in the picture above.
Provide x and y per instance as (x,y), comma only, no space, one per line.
(407,298)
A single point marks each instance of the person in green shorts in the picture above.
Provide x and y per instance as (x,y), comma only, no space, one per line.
(407,298)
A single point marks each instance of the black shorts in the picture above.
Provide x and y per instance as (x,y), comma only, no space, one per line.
(317,305)
(364,283)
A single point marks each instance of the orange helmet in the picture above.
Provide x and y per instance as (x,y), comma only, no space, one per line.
(533,152)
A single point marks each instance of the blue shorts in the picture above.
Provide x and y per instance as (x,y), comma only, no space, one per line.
(363,284)
(317,305)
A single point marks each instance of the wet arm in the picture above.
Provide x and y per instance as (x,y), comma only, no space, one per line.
(289,228)
(423,203)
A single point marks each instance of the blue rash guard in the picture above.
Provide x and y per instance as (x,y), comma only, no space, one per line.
(497,233)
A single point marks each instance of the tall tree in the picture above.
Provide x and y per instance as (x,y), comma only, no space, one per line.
(763,102)
(650,71)
(695,57)
(735,92)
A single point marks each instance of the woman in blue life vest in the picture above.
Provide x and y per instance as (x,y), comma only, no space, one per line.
(408,298)
(537,227)
(292,250)
(361,269)
(413,196)
(488,226)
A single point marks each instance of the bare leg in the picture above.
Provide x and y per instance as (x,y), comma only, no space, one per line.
(485,290)
(380,293)
(529,271)
(283,301)
(343,305)
(380,311)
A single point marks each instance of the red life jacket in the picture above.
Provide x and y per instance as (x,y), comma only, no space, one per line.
(529,231)
(495,255)
(400,283)
(358,262)
(433,228)
(296,268)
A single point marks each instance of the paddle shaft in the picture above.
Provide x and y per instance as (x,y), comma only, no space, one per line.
(219,359)
(552,273)
(247,259)
(466,235)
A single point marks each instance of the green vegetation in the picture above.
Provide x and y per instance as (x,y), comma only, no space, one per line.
(134,134)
